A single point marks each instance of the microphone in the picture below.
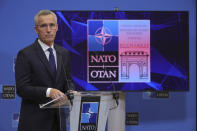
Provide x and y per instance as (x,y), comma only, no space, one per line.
(70,94)
(115,94)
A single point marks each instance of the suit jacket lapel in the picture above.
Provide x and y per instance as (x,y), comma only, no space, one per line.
(43,58)
(59,62)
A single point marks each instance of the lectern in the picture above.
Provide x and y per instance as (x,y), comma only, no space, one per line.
(89,111)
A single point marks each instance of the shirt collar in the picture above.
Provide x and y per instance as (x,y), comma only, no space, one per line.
(45,46)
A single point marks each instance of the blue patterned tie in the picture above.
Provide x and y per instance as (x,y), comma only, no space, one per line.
(52,62)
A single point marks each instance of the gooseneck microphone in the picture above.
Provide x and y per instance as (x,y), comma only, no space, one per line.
(70,95)
(115,94)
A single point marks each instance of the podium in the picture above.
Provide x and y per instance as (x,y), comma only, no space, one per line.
(89,111)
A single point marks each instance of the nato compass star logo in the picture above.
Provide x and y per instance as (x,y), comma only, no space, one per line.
(103,36)
(89,113)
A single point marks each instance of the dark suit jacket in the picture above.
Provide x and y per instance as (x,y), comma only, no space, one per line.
(33,77)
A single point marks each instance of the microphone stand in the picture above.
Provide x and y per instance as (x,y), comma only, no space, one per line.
(115,95)
(70,94)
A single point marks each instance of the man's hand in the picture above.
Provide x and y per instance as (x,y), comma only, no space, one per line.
(54,93)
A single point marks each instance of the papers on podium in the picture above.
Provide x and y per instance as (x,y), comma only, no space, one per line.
(56,103)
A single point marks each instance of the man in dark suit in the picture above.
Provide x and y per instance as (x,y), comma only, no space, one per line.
(42,73)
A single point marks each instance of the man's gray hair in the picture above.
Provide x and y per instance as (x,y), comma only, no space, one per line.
(44,12)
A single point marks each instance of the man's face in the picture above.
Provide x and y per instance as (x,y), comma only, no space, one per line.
(46,29)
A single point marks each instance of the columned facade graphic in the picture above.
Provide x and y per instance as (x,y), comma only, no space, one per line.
(128,58)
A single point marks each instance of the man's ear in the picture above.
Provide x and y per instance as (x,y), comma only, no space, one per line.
(57,27)
(36,29)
